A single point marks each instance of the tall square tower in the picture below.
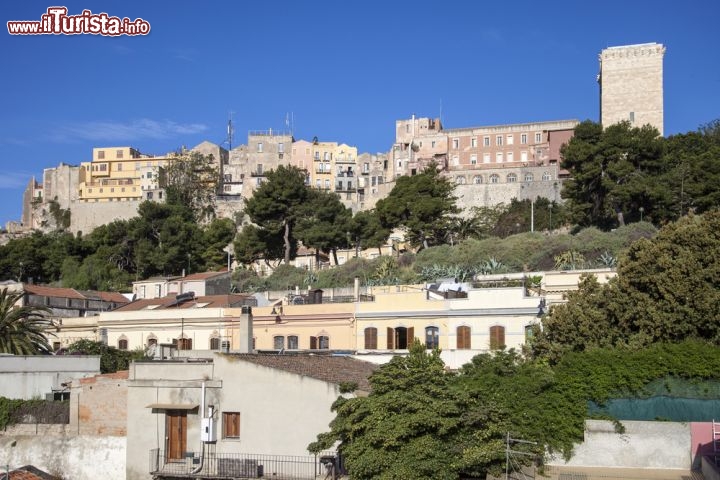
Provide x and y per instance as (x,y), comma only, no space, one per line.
(631,85)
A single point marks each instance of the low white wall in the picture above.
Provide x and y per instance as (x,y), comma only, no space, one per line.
(77,457)
(655,445)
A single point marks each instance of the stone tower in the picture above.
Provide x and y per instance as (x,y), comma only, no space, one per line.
(631,85)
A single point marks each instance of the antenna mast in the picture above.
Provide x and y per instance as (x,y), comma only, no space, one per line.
(230,131)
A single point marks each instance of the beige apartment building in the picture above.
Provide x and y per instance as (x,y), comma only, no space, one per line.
(631,85)
(120,174)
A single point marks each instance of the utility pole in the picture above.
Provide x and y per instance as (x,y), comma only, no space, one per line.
(508,451)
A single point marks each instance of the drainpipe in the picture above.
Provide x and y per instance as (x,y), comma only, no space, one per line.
(202,417)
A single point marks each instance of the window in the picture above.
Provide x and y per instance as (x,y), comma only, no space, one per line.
(101,154)
(231,424)
(510,157)
(494,178)
(529,177)
(632,117)
(259,169)
(327,184)
(463,337)
(119,154)
(324,342)
(497,337)
(326,156)
(486,158)
(473,159)
(56,346)
(499,140)
(499,157)
(366,167)
(318,183)
(460,180)
(119,166)
(477,179)
(278,342)
(546,176)
(432,337)
(432,144)
(103,167)
(456,143)
(260,147)
(523,138)
(510,139)
(486,141)
(400,337)
(152,341)
(215,343)
(149,195)
(123,344)
(317,155)
(281,147)
(370,338)
(523,156)
(184,343)
(528,333)
(511,178)
(473,142)
(455,160)
(538,137)
(292,342)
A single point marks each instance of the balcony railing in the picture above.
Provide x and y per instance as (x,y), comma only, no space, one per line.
(241,465)
(323,172)
(257,174)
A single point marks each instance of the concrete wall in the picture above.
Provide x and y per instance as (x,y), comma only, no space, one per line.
(653,445)
(76,458)
(33,376)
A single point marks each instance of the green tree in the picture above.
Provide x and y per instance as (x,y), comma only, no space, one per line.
(667,290)
(254,243)
(324,222)
(613,172)
(111,358)
(412,425)
(422,204)
(192,180)
(276,205)
(22,329)
(215,238)
(366,231)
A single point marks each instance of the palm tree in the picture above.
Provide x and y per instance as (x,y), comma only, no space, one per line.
(22,329)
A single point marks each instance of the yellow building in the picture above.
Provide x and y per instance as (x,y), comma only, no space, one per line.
(334,168)
(120,174)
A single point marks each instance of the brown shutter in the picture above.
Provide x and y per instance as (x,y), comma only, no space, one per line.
(497,337)
(410,336)
(463,337)
(390,338)
(313,343)
(371,338)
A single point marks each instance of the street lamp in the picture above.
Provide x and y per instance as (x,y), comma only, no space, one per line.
(642,210)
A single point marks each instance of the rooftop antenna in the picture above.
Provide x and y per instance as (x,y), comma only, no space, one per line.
(230,131)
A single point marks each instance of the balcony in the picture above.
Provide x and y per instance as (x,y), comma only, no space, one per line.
(341,189)
(323,172)
(349,173)
(257,174)
(240,465)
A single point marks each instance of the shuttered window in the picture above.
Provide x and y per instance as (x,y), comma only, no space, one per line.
(231,424)
(497,337)
(371,338)
(463,337)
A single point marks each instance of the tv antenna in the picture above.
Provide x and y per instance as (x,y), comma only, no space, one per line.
(230,131)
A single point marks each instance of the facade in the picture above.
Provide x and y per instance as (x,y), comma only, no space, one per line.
(41,376)
(201,284)
(251,404)
(631,85)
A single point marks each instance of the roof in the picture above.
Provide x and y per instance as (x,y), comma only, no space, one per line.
(328,368)
(28,472)
(207,301)
(45,291)
(202,276)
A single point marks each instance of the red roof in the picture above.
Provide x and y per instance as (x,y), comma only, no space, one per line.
(208,301)
(202,276)
(59,292)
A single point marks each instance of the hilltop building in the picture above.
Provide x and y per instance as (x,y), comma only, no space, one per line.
(631,85)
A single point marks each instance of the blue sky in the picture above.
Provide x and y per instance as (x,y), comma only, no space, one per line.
(346,70)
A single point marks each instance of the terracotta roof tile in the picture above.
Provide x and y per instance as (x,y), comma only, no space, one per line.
(52,291)
(28,472)
(212,301)
(203,275)
(329,368)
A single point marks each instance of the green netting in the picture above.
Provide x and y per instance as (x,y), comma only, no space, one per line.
(670,399)
(672,409)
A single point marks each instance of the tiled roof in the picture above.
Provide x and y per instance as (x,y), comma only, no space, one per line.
(328,368)
(45,291)
(202,276)
(58,292)
(28,472)
(208,301)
